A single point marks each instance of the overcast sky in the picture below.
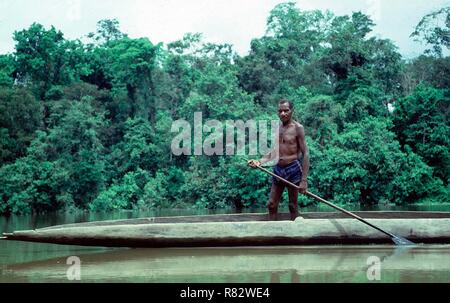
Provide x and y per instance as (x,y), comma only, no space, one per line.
(223,21)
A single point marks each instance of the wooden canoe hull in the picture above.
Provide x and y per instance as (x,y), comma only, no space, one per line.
(142,233)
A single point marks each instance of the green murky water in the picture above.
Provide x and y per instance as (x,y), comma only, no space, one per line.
(35,262)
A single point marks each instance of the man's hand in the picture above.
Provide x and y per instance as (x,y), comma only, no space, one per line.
(303,186)
(253,163)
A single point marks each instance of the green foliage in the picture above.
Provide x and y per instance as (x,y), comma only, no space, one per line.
(7,68)
(323,117)
(20,116)
(88,126)
(136,150)
(426,70)
(107,31)
(434,29)
(123,194)
(215,92)
(223,183)
(44,58)
(422,122)
(325,53)
(366,165)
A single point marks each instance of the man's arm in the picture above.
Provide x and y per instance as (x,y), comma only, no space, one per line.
(303,150)
(274,154)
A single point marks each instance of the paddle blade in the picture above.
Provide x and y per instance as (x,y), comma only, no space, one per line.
(401,241)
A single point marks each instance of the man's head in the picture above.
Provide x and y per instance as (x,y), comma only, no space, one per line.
(285,110)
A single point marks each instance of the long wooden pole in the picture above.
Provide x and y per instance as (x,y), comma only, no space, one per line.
(396,239)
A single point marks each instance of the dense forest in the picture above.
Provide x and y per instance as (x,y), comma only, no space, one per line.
(87,124)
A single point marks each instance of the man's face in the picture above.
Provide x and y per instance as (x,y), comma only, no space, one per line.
(284,112)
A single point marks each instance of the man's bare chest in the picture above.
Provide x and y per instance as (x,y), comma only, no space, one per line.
(287,135)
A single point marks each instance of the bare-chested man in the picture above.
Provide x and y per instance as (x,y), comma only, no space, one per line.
(291,147)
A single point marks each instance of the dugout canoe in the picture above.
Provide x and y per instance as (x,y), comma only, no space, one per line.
(246,230)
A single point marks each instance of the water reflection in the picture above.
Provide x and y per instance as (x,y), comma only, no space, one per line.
(292,264)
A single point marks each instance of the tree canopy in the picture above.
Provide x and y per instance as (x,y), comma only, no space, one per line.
(88,125)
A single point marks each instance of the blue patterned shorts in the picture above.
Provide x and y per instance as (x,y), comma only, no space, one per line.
(292,173)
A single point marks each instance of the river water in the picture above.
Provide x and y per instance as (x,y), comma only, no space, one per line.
(36,262)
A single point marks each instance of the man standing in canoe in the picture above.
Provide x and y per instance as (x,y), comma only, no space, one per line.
(291,147)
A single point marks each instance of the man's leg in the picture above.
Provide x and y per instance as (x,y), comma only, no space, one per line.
(293,202)
(275,195)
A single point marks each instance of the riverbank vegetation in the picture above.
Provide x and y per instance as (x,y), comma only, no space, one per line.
(87,124)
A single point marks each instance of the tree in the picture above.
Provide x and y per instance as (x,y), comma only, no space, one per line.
(88,126)
(74,148)
(137,150)
(421,122)
(215,92)
(288,52)
(107,30)
(434,30)
(325,53)
(44,58)
(20,116)
(427,70)
(366,165)
(322,117)
(7,70)
(132,63)
(123,194)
